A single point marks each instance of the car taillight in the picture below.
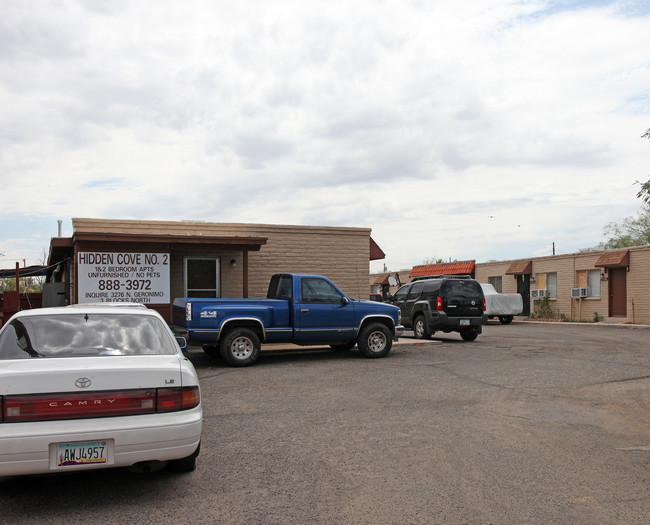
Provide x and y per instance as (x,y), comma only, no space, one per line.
(188,311)
(439,303)
(171,399)
(484,306)
(45,407)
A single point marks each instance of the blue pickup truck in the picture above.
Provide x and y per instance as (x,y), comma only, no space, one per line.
(305,310)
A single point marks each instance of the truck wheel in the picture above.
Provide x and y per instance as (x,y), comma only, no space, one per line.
(420,328)
(470,334)
(240,347)
(505,319)
(375,340)
(344,347)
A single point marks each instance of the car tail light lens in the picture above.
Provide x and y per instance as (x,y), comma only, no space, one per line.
(484,305)
(188,311)
(39,407)
(439,303)
(172,399)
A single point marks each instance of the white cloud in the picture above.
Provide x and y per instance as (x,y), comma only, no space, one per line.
(417,119)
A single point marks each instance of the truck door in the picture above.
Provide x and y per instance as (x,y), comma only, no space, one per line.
(323,313)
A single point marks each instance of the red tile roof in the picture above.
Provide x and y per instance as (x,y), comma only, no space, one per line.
(450,268)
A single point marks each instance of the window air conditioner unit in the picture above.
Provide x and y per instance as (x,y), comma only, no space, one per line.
(579,292)
(541,293)
(534,295)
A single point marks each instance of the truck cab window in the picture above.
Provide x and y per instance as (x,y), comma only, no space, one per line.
(319,291)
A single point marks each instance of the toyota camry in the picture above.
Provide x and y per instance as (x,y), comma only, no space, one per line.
(97,387)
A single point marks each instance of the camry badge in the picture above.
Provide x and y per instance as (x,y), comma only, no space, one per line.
(83,382)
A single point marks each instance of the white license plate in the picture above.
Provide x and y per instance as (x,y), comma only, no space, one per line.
(464,322)
(83,453)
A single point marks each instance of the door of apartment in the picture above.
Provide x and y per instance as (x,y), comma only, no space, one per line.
(523,288)
(618,292)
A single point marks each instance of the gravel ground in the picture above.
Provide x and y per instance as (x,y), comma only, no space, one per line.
(531,423)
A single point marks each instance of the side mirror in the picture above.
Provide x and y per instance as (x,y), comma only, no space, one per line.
(345,300)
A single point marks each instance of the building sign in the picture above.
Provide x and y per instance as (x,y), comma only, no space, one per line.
(116,277)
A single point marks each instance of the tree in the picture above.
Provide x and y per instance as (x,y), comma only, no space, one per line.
(633,231)
(644,192)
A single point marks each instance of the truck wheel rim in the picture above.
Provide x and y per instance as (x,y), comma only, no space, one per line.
(377,341)
(419,328)
(241,348)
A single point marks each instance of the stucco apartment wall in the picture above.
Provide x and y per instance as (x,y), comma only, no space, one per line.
(342,254)
(566,266)
(638,286)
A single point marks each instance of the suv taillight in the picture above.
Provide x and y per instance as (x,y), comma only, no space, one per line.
(484,305)
(439,306)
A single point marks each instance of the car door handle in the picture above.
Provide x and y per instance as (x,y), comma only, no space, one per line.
(304,310)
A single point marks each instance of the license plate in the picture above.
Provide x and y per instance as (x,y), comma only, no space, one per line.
(83,453)
(464,322)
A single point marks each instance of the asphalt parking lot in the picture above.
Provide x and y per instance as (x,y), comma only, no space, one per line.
(531,423)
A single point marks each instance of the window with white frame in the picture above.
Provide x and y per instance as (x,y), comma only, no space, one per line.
(201,276)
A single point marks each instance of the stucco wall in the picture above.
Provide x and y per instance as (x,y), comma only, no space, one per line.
(566,266)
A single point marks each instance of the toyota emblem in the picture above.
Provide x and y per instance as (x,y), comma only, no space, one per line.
(83,382)
(473,303)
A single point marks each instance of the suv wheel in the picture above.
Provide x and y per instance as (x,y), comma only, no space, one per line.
(470,334)
(420,328)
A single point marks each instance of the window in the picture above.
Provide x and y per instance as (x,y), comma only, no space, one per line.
(87,334)
(589,279)
(319,291)
(416,290)
(400,295)
(593,283)
(202,276)
(497,282)
(548,282)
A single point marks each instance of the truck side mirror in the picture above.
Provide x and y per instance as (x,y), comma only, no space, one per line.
(344,300)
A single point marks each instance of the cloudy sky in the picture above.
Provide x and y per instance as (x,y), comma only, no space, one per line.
(473,129)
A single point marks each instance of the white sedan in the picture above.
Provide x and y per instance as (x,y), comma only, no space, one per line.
(97,387)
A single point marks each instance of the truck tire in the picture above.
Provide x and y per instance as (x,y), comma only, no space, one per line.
(505,319)
(420,328)
(375,340)
(469,334)
(240,347)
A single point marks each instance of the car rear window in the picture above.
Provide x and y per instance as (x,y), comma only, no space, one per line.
(85,334)
(467,287)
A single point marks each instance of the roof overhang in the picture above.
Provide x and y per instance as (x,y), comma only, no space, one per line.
(225,242)
(376,253)
(614,260)
(520,268)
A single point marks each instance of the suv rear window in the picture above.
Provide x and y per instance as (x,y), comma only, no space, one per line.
(462,287)
(84,334)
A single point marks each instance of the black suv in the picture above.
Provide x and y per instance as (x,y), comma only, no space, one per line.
(447,303)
